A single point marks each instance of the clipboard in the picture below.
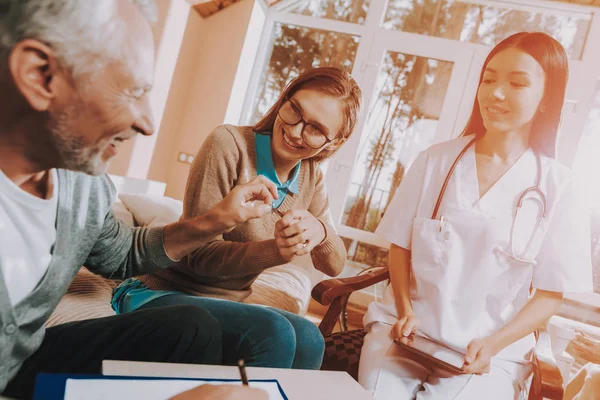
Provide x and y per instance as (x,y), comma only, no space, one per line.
(52,386)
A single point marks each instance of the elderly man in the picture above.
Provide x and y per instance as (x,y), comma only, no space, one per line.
(74,78)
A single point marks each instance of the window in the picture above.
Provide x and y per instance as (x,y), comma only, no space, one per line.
(584,306)
(587,167)
(592,135)
(296,49)
(402,121)
(486,22)
(354,11)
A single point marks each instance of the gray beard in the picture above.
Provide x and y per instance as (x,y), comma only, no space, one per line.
(69,148)
(75,157)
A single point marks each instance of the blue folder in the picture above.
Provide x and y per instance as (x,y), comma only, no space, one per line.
(52,386)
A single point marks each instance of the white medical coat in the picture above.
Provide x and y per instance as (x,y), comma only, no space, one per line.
(473,291)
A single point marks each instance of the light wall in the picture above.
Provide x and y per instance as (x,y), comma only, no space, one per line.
(120,163)
(159,27)
(200,90)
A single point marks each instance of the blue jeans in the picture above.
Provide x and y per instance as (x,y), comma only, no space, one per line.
(262,336)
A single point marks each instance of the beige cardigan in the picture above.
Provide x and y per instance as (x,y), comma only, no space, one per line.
(226,266)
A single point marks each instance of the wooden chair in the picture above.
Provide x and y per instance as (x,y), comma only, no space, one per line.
(342,349)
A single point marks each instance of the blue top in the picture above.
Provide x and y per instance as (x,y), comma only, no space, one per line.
(265,166)
(131,294)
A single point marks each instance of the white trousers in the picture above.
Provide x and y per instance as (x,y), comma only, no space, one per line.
(388,373)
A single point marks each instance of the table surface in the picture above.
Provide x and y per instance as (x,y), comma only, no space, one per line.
(297,384)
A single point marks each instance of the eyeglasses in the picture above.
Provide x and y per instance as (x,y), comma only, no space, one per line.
(311,135)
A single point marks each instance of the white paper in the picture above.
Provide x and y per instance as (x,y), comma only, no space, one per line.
(147,389)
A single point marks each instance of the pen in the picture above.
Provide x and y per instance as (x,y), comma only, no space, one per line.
(242,368)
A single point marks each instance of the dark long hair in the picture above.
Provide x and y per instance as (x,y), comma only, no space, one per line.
(330,81)
(553,59)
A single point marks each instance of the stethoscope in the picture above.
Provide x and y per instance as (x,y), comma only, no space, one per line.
(528,193)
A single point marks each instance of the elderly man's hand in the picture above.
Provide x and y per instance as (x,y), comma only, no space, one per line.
(251,200)
(222,392)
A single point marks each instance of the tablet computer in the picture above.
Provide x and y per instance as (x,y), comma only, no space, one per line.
(442,356)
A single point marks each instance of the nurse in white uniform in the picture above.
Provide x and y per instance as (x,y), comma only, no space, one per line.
(463,262)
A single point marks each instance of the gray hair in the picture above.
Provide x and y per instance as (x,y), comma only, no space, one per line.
(81,32)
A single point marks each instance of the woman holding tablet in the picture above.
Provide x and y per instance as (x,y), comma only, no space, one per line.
(475,225)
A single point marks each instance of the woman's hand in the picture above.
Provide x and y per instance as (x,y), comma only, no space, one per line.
(479,356)
(297,233)
(586,347)
(405,328)
(536,312)
(222,392)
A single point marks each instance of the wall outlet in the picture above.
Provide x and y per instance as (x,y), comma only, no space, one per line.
(185,158)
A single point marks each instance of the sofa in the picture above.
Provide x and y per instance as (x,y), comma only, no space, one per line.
(142,203)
